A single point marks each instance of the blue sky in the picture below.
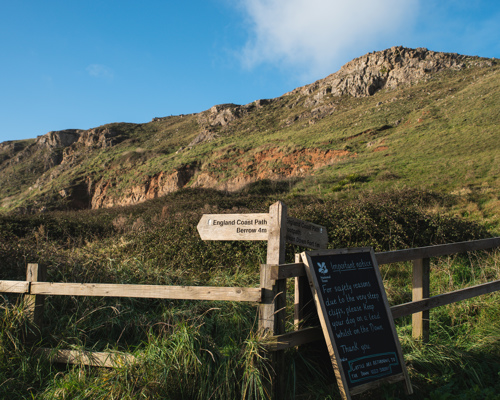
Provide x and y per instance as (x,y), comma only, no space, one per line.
(84,63)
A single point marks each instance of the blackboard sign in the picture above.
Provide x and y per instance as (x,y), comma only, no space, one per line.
(356,318)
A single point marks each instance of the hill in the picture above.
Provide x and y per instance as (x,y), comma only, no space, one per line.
(394,118)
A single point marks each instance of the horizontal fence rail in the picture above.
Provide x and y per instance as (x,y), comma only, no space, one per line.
(388,257)
(90,358)
(133,291)
(439,300)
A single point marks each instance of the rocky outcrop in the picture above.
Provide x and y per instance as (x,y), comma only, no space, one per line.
(104,195)
(57,139)
(390,68)
(102,137)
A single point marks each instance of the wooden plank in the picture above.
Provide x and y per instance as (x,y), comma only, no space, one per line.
(14,287)
(234,226)
(421,290)
(306,234)
(436,251)
(443,299)
(90,358)
(148,291)
(285,271)
(295,338)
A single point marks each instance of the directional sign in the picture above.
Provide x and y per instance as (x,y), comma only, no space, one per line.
(306,234)
(234,226)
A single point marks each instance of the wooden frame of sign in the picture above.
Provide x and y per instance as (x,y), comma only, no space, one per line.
(356,320)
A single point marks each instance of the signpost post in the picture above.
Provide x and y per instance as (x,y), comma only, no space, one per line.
(356,320)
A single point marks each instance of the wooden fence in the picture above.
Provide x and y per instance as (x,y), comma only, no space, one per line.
(270,296)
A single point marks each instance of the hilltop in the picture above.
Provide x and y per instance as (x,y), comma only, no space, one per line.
(394,118)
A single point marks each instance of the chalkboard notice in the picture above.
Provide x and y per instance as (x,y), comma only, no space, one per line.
(356,319)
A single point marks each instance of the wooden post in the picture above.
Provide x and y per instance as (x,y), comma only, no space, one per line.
(34,303)
(305,313)
(272,312)
(421,283)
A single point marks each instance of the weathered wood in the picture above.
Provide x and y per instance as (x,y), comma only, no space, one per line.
(443,299)
(304,313)
(14,287)
(148,291)
(34,303)
(234,226)
(295,338)
(436,251)
(306,234)
(285,271)
(272,310)
(421,290)
(90,358)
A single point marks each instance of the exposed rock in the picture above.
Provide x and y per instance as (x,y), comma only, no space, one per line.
(223,114)
(100,137)
(156,186)
(390,68)
(55,139)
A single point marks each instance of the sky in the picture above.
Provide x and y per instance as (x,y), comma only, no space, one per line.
(79,64)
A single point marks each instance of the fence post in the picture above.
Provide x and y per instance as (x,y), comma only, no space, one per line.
(421,283)
(272,311)
(34,303)
(304,307)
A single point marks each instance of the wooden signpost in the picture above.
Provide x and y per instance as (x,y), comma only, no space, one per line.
(277,228)
(356,320)
(258,227)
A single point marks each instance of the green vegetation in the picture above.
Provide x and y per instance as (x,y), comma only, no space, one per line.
(188,349)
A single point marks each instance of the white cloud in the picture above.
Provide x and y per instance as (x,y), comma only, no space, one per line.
(100,71)
(315,35)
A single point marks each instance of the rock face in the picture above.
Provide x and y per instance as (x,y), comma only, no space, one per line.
(156,186)
(55,139)
(390,68)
